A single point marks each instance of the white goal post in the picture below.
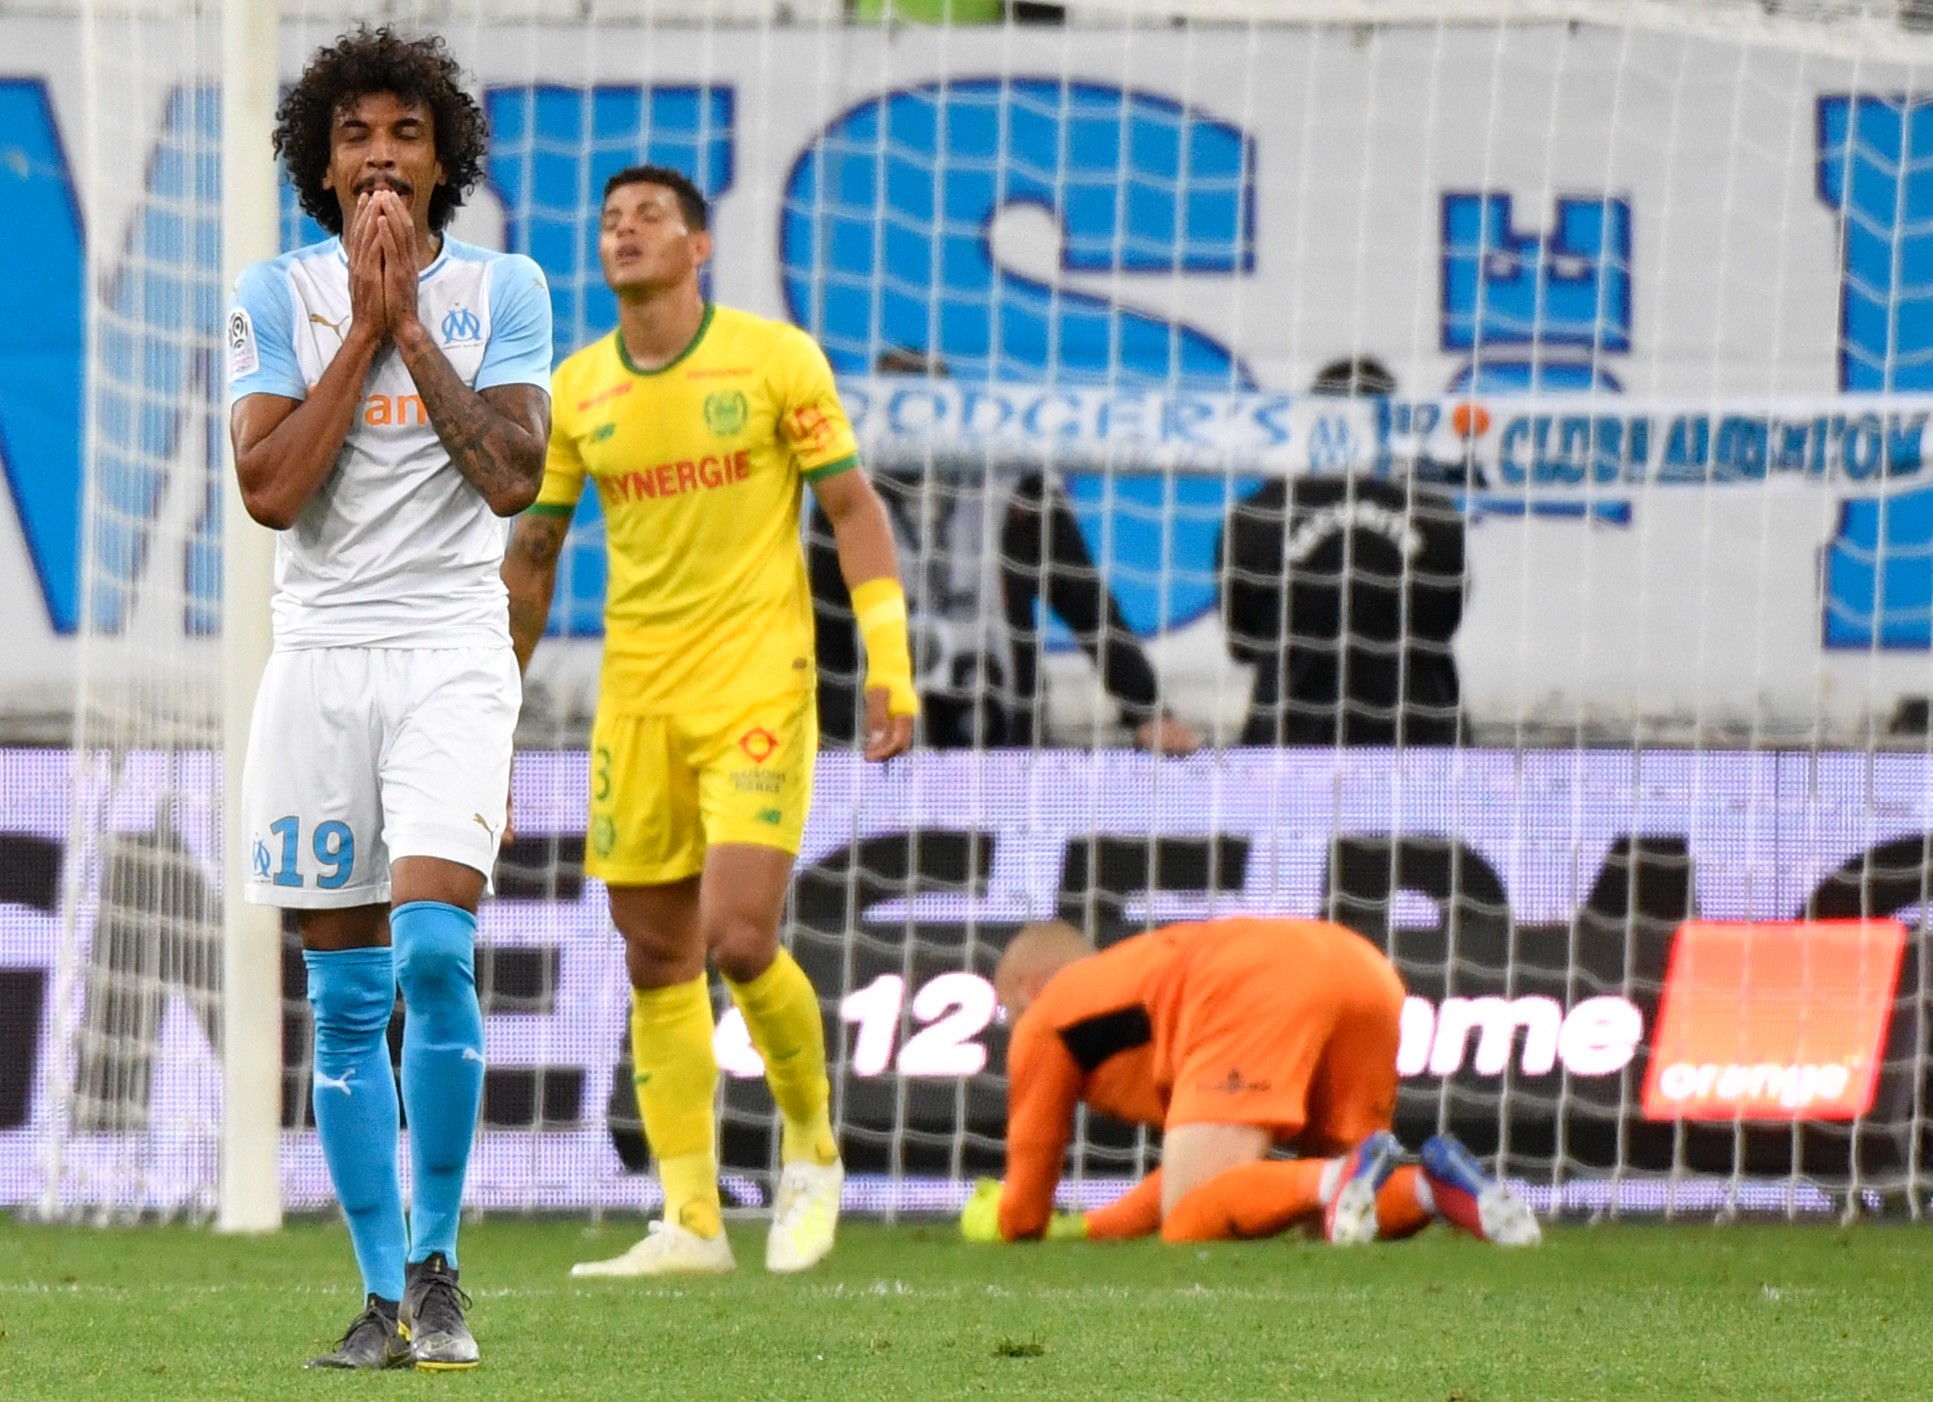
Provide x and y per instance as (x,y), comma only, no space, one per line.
(251,1147)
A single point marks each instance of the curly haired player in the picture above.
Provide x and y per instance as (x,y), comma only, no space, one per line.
(1234,1037)
(391,404)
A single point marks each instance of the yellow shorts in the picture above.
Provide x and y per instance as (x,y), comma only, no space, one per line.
(664,788)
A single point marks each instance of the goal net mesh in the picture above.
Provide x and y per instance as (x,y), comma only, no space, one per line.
(1489,438)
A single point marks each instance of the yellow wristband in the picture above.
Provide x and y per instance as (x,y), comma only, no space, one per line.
(879,608)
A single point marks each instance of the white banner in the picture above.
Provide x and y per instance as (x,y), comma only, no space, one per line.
(1185,231)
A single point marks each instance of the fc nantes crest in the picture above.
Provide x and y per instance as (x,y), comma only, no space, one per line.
(726,412)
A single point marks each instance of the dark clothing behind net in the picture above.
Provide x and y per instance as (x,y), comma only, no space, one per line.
(1044,557)
(1344,593)
(977,661)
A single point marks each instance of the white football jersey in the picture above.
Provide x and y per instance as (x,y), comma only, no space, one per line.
(396,549)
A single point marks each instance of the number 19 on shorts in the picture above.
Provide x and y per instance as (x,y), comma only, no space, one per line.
(331,843)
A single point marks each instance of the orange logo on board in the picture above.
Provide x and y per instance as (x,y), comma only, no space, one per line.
(1778,1020)
(759,743)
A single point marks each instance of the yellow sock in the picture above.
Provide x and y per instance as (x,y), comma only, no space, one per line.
(782,1014)
(677,1080)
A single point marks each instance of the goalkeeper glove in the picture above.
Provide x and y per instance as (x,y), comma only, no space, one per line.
(980,1219)
(1067,1226)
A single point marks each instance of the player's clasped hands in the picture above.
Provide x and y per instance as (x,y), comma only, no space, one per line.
(397,232)
(383,260)
(366,305)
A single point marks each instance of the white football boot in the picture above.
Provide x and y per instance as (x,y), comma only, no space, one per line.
(806,1217)
(667,1249)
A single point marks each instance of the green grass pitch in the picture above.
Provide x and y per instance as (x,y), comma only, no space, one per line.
(1627,1312)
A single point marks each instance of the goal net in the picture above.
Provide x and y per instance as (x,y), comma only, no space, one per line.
(1461,470)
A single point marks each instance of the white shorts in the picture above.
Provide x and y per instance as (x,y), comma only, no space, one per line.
(358,756)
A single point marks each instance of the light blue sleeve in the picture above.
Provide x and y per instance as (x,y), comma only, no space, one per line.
(259,335)
(519,351)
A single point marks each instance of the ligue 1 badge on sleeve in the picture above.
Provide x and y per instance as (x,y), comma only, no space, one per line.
(242,359)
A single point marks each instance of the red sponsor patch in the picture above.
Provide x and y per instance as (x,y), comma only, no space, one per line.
(758,743)
(810,427)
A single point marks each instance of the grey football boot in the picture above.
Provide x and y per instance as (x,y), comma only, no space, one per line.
(374,1340)
(432,1317)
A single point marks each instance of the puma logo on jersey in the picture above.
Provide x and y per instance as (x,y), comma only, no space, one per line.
(479,820)
(336,326)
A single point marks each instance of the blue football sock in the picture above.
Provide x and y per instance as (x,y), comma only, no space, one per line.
(442,1063)
(353,992)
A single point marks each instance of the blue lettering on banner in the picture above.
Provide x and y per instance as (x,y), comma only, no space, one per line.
(170,276)
(1876,593)
(150,373)
(1538,315)
(884,244)
(1698,449)
(883,238)
(1874,173)
(1536,312)
(42,333)
(552,150)
(884,230)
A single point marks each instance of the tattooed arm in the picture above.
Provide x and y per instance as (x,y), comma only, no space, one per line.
(286,448)
(496,436)
(530,573)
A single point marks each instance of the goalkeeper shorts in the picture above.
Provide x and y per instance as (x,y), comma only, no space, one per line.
(665,788)
(1293,1026)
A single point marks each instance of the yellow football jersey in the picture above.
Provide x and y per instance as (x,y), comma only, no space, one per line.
(699,467)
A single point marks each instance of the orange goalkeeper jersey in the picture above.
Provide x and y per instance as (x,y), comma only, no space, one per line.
(1222,1021)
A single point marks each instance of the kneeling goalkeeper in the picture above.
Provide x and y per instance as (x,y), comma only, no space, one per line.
(1236,1037)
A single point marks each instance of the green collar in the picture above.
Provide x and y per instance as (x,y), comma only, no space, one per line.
(624,356)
